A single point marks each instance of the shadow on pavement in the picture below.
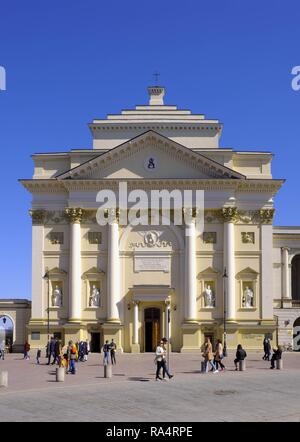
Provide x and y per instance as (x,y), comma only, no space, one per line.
(138,378)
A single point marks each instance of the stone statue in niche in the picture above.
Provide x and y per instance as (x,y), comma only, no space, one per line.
(94,300)
(248,297)
(57,297)
(209,297)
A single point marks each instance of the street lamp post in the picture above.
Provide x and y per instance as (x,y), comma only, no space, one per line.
(47,278)
(224,302)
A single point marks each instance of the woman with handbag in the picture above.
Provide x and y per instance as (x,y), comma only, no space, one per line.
(219,355)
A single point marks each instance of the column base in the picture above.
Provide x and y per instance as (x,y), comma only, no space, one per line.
(191,336)
(135,348)
(287,303)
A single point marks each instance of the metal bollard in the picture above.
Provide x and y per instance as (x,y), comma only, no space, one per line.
(107,370)
(203,367)
(242,365)
(3,378)
(60,374)
(279,364)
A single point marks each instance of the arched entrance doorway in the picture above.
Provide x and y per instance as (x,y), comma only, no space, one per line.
(152,328)
(296,278)
(6,331)
(296,335)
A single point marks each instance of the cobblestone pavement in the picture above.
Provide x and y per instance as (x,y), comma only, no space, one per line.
(132,395)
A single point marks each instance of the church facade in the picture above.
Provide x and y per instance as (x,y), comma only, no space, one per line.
(138,281)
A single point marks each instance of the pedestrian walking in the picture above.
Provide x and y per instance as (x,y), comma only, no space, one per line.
(158,360)
(105,350)
(277,355)
(239,356)
(38,355)
(26,350)
(208,355)
(267,349)
(219,355)
(164,361)
(2,350)
(113,348)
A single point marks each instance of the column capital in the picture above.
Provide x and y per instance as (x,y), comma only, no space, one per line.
(266,215)
(136,302)
(191,212)
(113,214)
(285,248)
(38,216)
(229,214)
(74,214)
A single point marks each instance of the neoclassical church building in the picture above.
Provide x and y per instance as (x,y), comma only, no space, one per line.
(137,283)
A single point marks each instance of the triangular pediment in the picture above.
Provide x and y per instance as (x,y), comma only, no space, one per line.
(56,271)
(92,272)
(209,271)
(150,156)
(247,273)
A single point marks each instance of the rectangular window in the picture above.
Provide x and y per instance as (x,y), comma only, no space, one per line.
(35,336)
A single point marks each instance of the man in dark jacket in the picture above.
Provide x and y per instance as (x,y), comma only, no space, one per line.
(51,351)
(240,356)
(276,356)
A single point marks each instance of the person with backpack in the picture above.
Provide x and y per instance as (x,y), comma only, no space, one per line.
(106,349)
(72,357)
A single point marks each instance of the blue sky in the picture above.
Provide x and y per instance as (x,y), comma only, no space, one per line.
(69,62)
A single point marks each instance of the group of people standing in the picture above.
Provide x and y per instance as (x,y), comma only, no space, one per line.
(66,356)
(277,352)
(109,350)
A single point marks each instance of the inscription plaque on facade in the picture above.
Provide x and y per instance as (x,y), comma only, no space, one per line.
(151,263)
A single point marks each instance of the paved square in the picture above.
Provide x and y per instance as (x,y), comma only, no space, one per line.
(132,395)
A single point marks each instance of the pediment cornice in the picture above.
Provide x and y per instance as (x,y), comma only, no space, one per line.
(156,141)
(65,186)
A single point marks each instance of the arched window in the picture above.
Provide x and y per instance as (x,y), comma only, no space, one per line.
(296,278)
(6,330)
(296,335)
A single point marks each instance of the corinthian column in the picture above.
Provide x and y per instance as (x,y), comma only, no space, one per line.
(229,217)
(286,292)
(75,217)
(190,270)
(135,322)
(113,268)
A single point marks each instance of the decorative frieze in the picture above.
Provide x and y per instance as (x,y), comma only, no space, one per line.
(229,214)
(266,215)
(210,237)
(94,237)
(38,216)
(248,237)
(56,237)
(74,214)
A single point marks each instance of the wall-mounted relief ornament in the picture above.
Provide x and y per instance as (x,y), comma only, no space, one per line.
(151,238)
(210,237)
(151,163)
(94,237)
(248,237)
(56,237)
